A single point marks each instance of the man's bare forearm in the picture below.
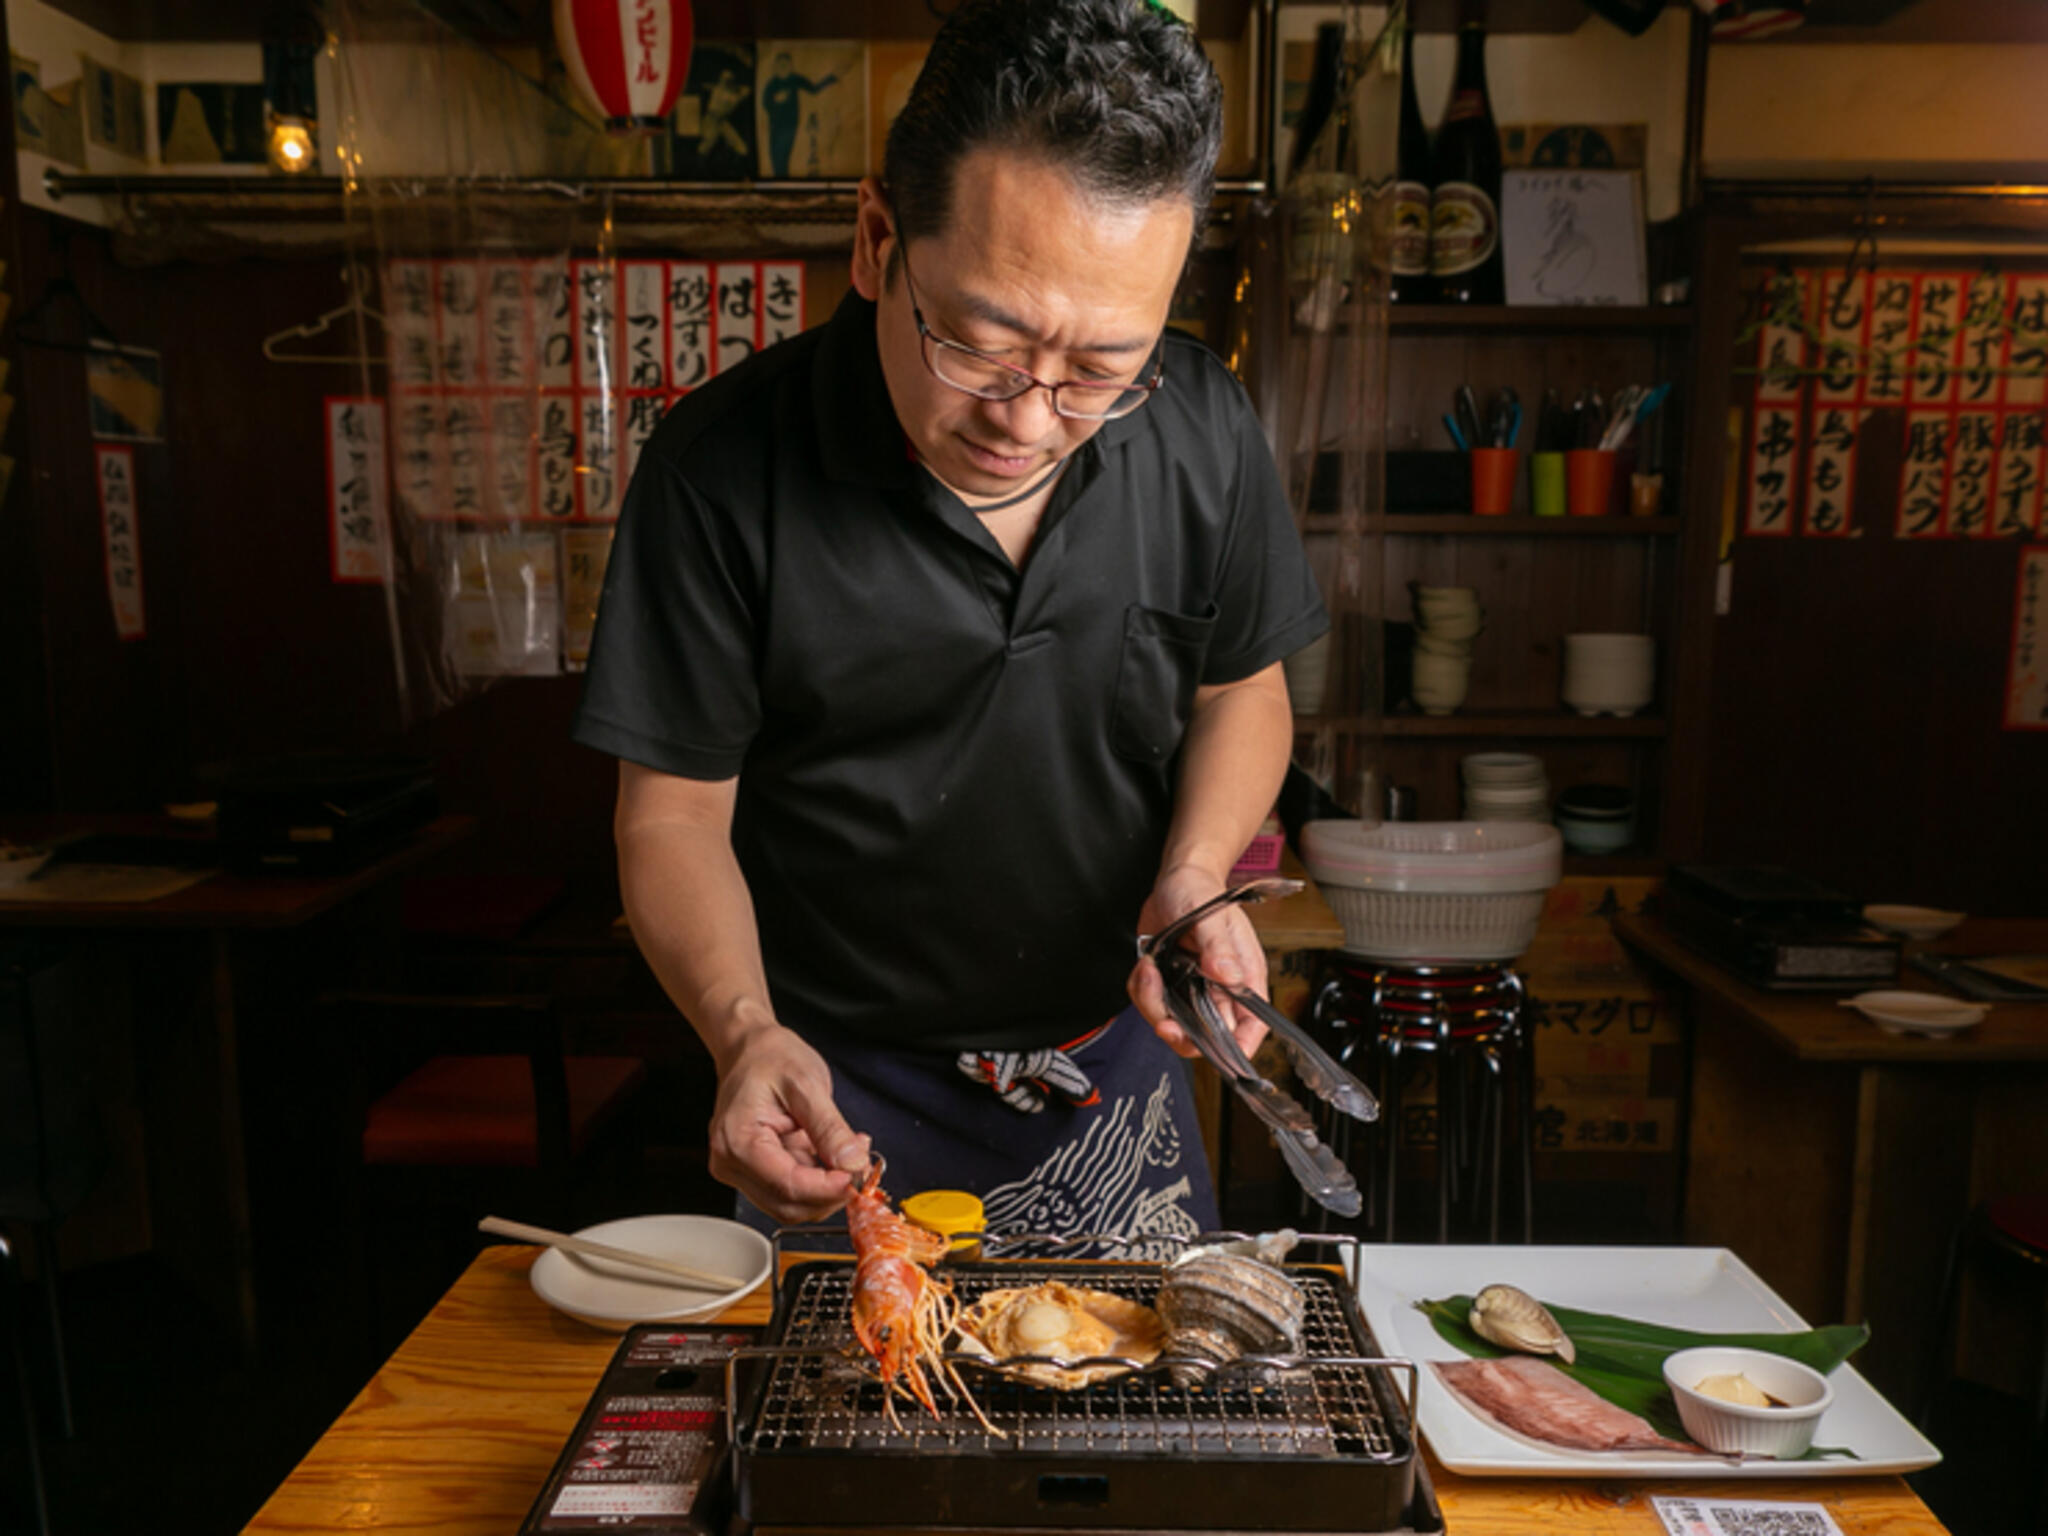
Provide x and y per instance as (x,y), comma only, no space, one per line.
(689,906)
(1232,763)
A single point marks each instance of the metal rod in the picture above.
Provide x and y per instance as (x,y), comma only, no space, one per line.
(1998,191)
(61,184)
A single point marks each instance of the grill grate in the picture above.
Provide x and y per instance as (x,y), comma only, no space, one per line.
(819,1397)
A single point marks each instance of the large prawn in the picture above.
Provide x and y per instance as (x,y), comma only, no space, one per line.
(901,1314)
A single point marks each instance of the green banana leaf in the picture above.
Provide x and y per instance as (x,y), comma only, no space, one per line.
(1622,1358)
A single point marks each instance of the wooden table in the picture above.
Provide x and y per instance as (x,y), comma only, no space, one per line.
(457,1432)
(197,1001)
(1836,1157)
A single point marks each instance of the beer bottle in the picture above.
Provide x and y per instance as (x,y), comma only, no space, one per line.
(1411,282)
(1464,216)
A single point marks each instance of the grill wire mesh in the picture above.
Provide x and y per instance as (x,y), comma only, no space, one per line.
(819,1396)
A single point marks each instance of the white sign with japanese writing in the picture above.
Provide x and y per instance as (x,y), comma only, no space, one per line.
(357,512)
(1955,362)
(122,535)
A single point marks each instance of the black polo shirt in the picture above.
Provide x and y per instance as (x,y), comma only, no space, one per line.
(955,776)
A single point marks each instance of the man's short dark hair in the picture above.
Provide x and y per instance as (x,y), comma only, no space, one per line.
(1117,94)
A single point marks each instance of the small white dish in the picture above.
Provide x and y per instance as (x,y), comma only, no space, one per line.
(1912,922)
(1737,1429)
(1916,1013)
(614,1297)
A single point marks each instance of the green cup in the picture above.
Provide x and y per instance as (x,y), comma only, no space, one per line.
(1546,484)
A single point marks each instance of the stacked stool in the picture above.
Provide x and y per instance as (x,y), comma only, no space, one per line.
(1470,1021)
(1434,914)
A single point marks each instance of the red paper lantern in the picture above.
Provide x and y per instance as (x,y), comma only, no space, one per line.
(628,57)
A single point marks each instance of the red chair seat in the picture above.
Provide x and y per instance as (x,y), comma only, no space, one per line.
(2023,1219)
(477,1111)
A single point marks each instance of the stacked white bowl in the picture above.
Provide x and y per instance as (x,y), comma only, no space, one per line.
(1609,674)
(1446,620)
(1505,786)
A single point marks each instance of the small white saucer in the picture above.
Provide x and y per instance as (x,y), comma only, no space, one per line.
(1916,1013)
(613,1297)
(1912,922)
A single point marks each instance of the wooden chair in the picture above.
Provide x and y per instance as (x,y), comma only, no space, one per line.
(33,1493)
(2010,1234)
(458,1106)
(52,1151)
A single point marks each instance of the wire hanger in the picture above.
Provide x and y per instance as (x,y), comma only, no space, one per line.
(355,280)
(33,329)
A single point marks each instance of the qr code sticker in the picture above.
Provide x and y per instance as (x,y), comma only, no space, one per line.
(1720,1517)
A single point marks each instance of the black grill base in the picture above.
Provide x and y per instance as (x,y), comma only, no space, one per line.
(1324,1450)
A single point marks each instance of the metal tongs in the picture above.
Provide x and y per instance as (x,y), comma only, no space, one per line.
(1191,998)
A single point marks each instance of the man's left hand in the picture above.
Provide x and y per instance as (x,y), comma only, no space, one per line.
(1229,949)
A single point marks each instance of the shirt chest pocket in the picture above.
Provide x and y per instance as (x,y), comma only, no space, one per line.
(1156,678)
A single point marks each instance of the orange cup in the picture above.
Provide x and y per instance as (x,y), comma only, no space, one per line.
(1493,481)
(1589,481)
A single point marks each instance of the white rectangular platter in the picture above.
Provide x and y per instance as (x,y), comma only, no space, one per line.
(1708,1290)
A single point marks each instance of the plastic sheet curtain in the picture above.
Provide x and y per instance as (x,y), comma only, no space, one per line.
(1310,339)
(489,375)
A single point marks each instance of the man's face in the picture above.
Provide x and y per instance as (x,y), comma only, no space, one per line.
(1035,272)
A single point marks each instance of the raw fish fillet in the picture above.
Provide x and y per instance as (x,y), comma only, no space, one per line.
(1534,1398)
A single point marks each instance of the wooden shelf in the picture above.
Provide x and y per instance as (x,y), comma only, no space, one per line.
(1482,724)
(1512,319)
(1462,525)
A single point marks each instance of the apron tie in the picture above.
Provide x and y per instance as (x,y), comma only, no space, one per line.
(1027,1080)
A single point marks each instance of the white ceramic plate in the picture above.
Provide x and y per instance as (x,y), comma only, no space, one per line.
(610,1296)
(1705,1289)
(1912,922)
(1917,1013)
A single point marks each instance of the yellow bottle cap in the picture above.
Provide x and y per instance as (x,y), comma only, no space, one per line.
(949,1212)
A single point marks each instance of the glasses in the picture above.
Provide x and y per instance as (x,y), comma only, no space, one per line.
(990,378)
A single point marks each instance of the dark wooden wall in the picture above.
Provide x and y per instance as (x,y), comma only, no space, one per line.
(252,650)
(1858,690)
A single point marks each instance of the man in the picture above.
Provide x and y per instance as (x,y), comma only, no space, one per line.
(941,649)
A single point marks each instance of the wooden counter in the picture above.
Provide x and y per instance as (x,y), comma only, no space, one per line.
(457,1432)
(1837,1157)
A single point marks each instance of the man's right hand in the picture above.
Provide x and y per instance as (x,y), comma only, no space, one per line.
(776,1135)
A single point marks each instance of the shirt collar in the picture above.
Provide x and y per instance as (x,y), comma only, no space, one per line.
(858,432)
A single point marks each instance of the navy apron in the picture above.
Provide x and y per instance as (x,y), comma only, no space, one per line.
(1098,1135)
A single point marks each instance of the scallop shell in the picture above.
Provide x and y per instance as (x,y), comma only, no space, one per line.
(1510,1317)
(1065,1322)
(1218,1304)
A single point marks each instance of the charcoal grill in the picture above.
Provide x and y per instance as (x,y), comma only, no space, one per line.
(1327,1445)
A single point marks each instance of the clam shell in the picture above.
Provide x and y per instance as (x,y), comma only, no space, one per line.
(1510,1317)
(1220,1305)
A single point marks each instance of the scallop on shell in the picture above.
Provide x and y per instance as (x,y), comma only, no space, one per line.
(1509,1316)
(1223,1302)
(1064,1322)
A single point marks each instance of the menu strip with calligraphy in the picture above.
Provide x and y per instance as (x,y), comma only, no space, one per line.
(114,465)
(2026,683)
(1960,357)
(357,512)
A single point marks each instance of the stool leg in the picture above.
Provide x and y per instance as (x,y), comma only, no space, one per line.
(1392,1139)
(1935,1370)
(46,1245)
(1447,1127)
(25,1404)
(1496,1088)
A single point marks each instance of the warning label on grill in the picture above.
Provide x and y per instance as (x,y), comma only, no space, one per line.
(640,1499)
